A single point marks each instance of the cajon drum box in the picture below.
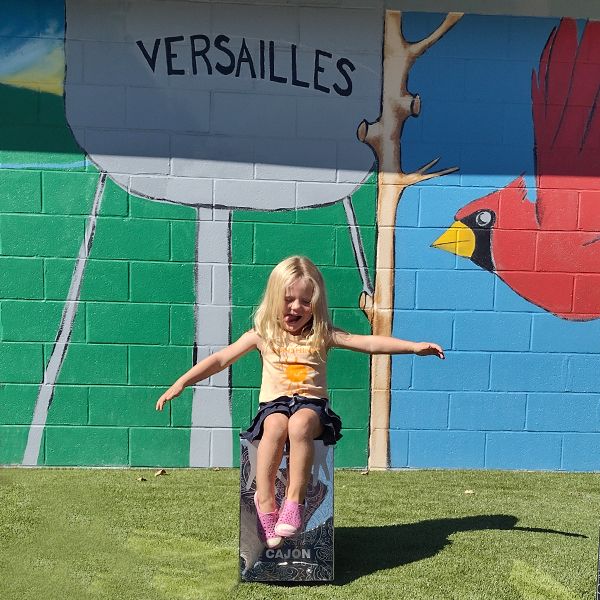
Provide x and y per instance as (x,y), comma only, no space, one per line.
(309,555)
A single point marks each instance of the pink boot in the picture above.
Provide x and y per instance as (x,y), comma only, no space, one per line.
(266,527)
(290,519)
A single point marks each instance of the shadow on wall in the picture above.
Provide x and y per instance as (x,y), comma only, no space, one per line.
(392,546)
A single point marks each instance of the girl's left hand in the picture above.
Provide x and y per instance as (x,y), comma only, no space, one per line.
(429,349)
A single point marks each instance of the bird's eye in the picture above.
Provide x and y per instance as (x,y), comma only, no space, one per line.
(483,218)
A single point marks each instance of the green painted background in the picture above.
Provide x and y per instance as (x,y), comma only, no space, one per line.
(134,330)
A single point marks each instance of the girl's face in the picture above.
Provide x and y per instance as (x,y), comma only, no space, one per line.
(297,309)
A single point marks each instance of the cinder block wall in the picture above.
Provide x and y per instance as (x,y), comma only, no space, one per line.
(519,387)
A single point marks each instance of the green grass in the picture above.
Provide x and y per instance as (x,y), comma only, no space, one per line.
(101,534)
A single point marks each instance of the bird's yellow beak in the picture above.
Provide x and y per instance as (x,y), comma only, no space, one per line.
(458,239)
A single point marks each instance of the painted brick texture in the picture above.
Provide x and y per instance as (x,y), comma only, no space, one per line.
(232,196)
(519,389)
(134,332)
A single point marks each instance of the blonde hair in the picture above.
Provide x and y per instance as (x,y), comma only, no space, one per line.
(270,311)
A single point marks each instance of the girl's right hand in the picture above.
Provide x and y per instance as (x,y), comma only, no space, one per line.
(171,393)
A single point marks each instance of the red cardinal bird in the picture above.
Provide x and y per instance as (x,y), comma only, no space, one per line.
(548,251)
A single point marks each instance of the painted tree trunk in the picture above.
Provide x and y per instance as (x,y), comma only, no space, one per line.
(383,136)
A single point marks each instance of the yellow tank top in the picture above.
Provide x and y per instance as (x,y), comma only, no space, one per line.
(296,368)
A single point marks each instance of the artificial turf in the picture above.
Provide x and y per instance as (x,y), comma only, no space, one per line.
(464,535)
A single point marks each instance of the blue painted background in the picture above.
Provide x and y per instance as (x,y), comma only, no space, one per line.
(519,388)
(25,22)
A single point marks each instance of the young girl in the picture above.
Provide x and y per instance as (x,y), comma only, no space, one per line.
(293,332)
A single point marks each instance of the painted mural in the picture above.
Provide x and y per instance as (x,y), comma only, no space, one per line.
(518,118)
(196,144)
(156,140)
(176,133)
(547,251)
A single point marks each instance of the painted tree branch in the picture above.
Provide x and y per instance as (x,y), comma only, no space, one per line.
(419,48)
(383,136)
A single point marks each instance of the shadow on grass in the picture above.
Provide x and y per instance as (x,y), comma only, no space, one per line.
(361,551)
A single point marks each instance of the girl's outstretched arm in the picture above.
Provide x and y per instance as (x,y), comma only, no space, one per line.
(381,344)
(210,365)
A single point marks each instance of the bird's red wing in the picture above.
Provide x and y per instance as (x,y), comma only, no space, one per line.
(566,118)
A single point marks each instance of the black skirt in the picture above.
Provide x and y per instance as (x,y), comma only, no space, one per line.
(288,405)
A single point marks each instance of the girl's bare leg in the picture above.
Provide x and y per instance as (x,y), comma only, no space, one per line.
(303,427)
(269,454)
